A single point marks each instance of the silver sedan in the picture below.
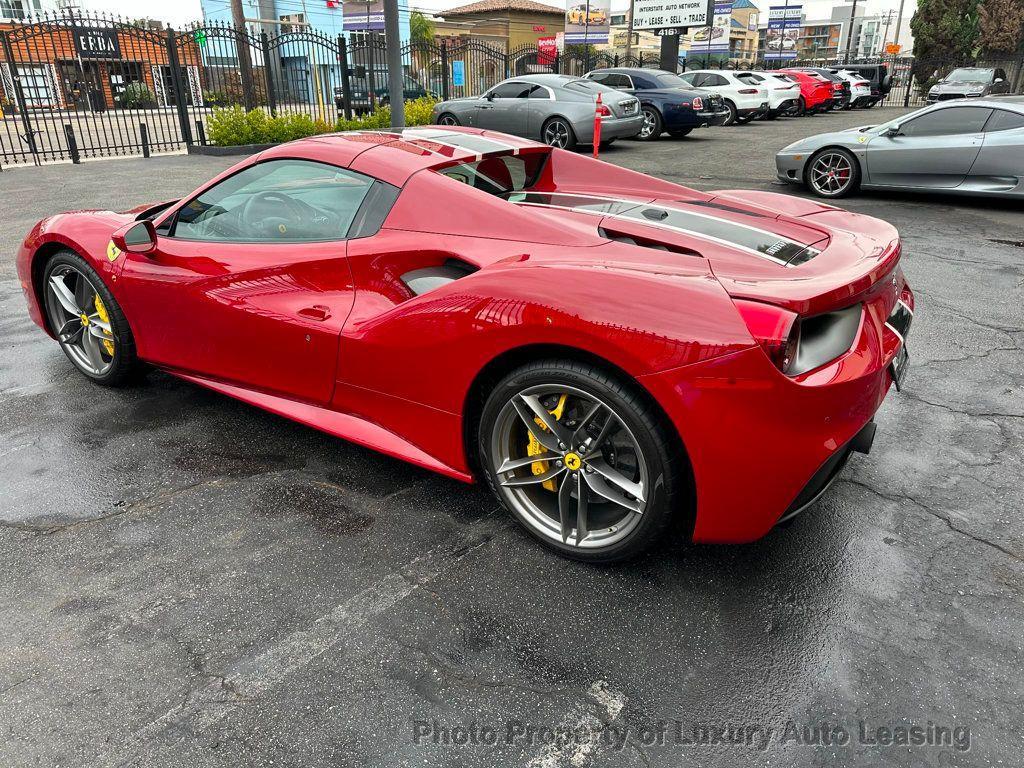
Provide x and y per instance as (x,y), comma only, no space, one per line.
(952,147)
(556,109)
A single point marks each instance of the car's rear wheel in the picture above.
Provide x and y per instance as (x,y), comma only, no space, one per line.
(679,133)
(448,119)
(652,127)
(87,321)
(731,119)
(801,107)
(832,172)
(582,461)
(557,132)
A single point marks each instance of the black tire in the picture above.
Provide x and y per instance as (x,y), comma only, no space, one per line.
(801,107)
(654,116)
(680,133)
(447,118)
(665,468)
(771,114)
(854,175)
(731,119)
(126,368)
(744,119)
(550,123)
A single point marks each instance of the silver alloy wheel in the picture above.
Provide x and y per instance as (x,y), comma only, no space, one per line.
(831,173)
(650,123)
(448,120)
(76,320)
(588,484)
(556,134)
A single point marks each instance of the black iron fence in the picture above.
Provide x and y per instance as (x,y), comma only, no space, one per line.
(80,86)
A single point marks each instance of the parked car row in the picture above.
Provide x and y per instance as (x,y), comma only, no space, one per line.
(647,103)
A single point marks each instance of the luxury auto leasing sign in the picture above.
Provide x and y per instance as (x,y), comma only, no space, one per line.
(658,14)
(587,22)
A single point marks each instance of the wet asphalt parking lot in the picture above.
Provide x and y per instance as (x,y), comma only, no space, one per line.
(188,581)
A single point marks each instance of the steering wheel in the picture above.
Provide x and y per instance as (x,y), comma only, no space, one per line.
(276,226)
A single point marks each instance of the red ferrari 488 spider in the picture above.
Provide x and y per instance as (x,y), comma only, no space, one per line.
(609,351)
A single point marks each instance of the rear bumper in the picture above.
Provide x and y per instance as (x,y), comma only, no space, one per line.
(611,128)
(763,445)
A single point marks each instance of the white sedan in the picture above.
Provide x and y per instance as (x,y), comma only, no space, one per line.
(743,100)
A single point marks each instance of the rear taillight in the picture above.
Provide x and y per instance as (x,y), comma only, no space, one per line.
(603,110)
(775,329)
(748,90)
(698,103)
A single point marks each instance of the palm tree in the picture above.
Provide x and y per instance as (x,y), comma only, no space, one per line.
(421,29)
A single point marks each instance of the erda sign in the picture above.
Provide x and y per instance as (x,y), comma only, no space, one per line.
(97,42)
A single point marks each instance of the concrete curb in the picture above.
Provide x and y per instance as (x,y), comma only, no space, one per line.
(215,151)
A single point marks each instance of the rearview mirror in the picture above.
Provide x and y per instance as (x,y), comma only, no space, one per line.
(139,237)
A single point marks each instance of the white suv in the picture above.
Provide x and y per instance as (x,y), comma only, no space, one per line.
(743,100)
(783,92)
(860,89)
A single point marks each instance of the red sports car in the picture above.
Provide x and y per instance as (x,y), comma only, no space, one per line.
(609,351)
(816,93)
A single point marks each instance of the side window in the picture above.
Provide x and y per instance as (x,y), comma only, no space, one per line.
(1003,120)
(715,80)
(276,201)
(749,79)
(1000,75)
(512,90)
(690,78)
(599,77)
(947,122)
(539,92)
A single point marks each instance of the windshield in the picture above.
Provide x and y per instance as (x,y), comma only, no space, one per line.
(970,76)
(588,86)
(668,80)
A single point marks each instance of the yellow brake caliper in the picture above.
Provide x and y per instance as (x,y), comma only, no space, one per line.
(534,448)
(101,310)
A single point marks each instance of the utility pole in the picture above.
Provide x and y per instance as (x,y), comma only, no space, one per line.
(849,33)
(244,57)
(885,34)
(629,32)
(396,84)
(899,20)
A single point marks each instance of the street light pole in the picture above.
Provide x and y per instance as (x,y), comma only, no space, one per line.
(629,32)
(849,32)
(396,84)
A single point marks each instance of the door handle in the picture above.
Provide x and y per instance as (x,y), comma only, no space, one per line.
(316,312)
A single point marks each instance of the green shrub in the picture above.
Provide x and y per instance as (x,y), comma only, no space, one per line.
(136,95)
(233,126)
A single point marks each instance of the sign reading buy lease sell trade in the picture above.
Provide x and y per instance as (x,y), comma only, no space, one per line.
(658,14)
(587,22)
(783,31)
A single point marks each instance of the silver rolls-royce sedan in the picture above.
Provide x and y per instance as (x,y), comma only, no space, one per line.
(556,109)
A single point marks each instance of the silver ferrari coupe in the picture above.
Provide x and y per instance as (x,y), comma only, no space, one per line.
(957,147)
(556,109)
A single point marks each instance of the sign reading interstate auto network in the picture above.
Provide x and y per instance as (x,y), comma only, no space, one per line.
(658,14)
(97,42)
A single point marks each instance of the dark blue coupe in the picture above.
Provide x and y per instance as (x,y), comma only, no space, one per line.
(669,103)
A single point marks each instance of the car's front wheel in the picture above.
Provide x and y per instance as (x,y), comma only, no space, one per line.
(580,458)
(557,132)
(87,321)
(448,119)
(832,172)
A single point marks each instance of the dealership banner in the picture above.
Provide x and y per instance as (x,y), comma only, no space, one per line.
(587,22)
(710,39)
(359,16)
(661,14)
(784,22)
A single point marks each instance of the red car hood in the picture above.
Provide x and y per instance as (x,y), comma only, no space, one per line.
(805,256)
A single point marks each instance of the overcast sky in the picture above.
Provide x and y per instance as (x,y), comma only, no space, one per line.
(179,12)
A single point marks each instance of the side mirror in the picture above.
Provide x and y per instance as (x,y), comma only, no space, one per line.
(893,130)
(999,80)
(489,95)
(138,237)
